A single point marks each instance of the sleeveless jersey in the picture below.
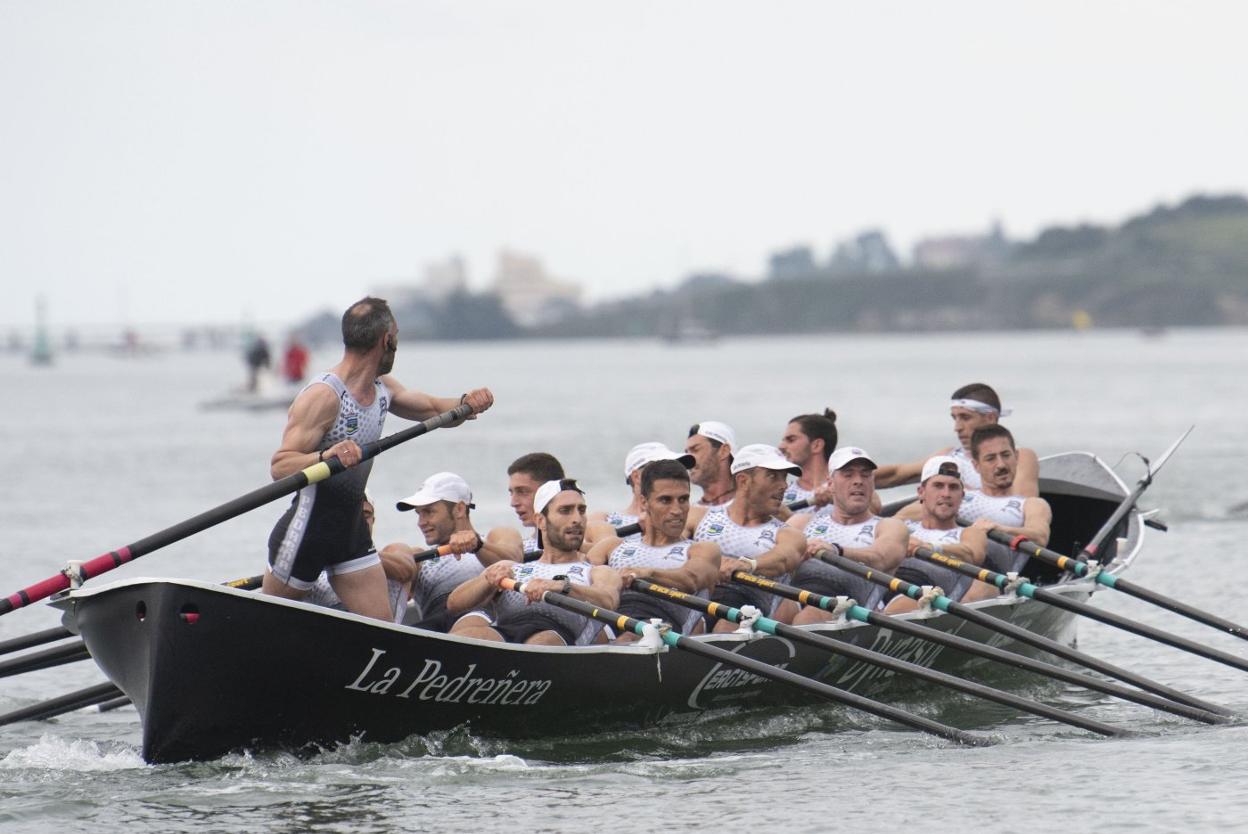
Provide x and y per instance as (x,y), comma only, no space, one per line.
(510,602)
(324,524)
(532,548)
(640,555)
(737,541)
(441,575)
(1005,509)
(934,537)
(824,528)
(797,493)
(622,519)
(970,475)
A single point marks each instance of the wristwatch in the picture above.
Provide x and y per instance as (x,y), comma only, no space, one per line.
(567,583)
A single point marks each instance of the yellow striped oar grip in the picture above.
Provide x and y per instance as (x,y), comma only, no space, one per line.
(621,622)
(894,585)
(317,472)
(983,575)
(803,597)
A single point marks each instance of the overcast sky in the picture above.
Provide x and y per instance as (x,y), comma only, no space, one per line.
(214,161)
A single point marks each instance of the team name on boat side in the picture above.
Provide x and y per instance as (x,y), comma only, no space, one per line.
(430,684)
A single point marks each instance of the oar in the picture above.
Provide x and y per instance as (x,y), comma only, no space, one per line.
(46,659)
(77,650)
(66,703)
(916,628)
(675,639)
(1109,580)
(769,626)
(1022,635)
(1026,589)
(115,703)
(37,638)
(285,486)
(1107,529)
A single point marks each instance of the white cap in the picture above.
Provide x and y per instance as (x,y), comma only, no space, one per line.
(760,454)
(720,433)
(547,491)
(848,454)
(442,486)
(935,465)
(644,453)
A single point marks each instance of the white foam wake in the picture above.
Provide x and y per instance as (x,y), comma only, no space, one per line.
(55,753)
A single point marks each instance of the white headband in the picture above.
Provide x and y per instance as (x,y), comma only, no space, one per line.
(982,408)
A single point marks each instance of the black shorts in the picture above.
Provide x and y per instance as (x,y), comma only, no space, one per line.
(432,616)
(922,572)
(738,596)
(831,581)
(322,530)
(520,626)
(644,607)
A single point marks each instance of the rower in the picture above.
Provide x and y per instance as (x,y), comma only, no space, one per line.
(972,406)
(443,505)
(749,535)
(940,496)
(850,529)
(602,524)
(663,553)
(332,417)
(995,506)
(711,444)
(808,442)
(525,475)
(559,509)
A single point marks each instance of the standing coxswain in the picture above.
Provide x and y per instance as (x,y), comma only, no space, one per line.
(332,417)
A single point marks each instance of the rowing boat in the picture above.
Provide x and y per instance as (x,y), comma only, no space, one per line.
(213,669)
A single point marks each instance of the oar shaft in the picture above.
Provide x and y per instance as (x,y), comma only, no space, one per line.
(1109,580)
(1057,600)
(883,661)
(230,509)
(622,623)
(37,638)
(972,647)
(1024,636)
(46,659)
(65,703)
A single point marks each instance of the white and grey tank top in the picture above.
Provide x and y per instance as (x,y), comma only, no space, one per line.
(578,573)
(1004,509)
(933,536)
(441,575)
(640,555)
(826,529)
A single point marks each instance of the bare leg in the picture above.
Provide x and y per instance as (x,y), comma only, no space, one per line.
(723,627)
(812,614)
(273,586)
(475,627)
(545,638)
(785,611)
(364,592)
(900,604)
(980,590)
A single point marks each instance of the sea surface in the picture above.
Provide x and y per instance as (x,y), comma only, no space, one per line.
(100,451)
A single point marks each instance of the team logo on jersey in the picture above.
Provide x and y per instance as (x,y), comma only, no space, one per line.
(1015,505)
(817,529)
(627,551)
(766,536)
(714,529)
(678,550)
(353,424)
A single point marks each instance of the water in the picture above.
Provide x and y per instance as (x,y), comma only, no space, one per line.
(102,451)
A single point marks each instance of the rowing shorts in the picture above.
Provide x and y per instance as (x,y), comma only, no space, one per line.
(320,532)
(922,572)
(433,616)
(519,626)
(831,581)
(1003,560)
(736,596)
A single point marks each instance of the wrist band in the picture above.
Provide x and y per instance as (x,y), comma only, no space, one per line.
(320,456)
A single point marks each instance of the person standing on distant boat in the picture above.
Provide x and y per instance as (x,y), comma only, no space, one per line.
(258,359)
(662,553)
(332,417)
(750,536)
(850,529)
(940,497)
(972,406)
(294,362)
(808,442)
(603,524)
(491,612)
(525,476)
(711,444)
